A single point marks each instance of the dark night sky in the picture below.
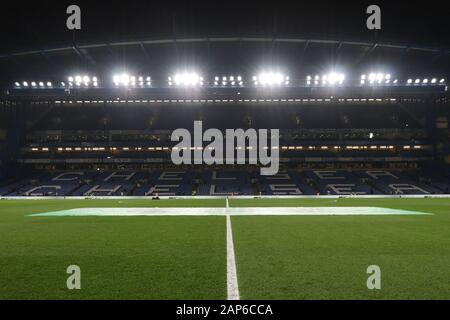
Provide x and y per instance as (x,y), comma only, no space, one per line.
(36,25)
(40,24)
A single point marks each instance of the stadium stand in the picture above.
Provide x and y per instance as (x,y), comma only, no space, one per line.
(236,182)
(355,138)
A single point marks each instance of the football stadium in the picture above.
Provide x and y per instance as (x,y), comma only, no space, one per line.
(228,167)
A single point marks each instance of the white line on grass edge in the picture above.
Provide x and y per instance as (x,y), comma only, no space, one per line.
(232,282)
(232,285)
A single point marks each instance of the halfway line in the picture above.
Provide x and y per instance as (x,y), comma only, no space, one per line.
(232,282)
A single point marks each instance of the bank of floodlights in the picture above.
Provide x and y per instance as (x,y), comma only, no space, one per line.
(186,79)
(33,84)
(377,79)
(271,79)
(264,79)
(126,80)
(330,79)
(224,81)
(81,81)
(425,81)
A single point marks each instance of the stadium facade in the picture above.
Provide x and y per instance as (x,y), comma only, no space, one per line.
(363,131)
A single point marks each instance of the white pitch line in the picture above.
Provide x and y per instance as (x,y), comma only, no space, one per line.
(232,281)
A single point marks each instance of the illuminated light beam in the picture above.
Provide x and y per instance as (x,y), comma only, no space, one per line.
(187,79)
(270,79)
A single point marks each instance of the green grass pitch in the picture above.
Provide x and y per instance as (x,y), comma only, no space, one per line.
(184,257)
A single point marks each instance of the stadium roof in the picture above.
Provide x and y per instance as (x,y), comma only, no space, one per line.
(225,56)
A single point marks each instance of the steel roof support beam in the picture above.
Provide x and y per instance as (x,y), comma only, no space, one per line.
(225,39)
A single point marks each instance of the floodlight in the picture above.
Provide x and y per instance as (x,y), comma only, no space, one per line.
(125,79)
(25,84)
(17,84)
(425,81)
(433,80)
(49,84)
(33,84)
(417,81)
(380,77)
(70,79)
(334,78)
(363,77)
(187,79)
(78,79)
(387,76)
(270,78)
(409,81)
(442,80)
(178,79)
